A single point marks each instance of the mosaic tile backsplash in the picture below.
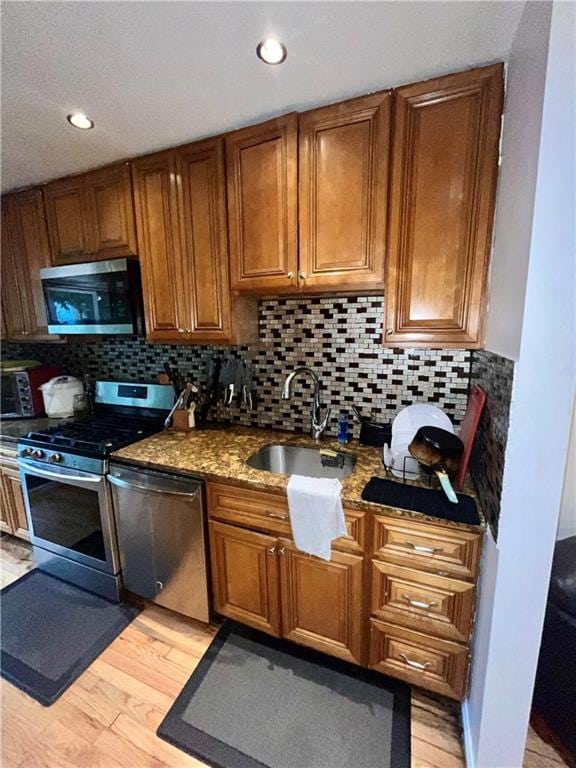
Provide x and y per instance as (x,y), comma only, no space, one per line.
(495,375)
(340,338)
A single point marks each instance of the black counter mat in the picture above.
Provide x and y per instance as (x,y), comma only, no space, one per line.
(429,501)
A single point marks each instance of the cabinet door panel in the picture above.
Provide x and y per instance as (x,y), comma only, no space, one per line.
(445,157)
(245,576)
(69,239)
(159,244)
(343,169)
(32,242)
(322,602)
(205,245)
(262,204)
(13,299)
(13,498)
(110,208)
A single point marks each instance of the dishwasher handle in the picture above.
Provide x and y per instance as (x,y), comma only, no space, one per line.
(164,490)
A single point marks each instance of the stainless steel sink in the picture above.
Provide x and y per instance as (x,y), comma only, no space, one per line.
(294,460)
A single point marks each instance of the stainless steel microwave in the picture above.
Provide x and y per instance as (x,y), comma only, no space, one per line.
(99,297)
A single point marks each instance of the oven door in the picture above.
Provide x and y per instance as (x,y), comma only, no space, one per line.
(70,514)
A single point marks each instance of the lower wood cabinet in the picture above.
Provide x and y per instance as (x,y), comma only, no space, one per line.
(245,576)
(322,601)
(12,508)
(267,583)
(397,594)
(419,659)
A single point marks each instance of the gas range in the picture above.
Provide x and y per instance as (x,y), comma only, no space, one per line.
(86,444)
(124,414)
(66,490)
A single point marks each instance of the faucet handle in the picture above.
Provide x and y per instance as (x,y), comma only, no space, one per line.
(324,421)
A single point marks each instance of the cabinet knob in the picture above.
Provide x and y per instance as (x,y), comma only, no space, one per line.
(389,331)
(281,551)
(290,275)
(181,330)
(272,550)
(302,275)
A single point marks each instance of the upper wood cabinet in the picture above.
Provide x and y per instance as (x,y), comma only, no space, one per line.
(24,252)
(159,246)
(445,160)
(90,216)
(343,172)
(181,223)
(262,205)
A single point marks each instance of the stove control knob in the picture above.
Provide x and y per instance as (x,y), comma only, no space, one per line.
(56,458)
(26,452)
(38,454)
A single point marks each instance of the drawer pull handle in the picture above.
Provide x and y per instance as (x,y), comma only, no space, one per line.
(423,550)
(419,603)
(277,517)
(414,664)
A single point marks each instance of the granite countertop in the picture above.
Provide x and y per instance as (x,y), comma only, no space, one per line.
(220,455)
(12,430)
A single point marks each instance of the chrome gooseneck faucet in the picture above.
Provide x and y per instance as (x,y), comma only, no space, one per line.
(319,422)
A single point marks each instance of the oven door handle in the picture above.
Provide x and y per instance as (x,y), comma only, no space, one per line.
(150,489)
(62,476)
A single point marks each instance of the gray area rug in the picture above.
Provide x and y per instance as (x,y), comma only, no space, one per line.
(52,631)
(258,702)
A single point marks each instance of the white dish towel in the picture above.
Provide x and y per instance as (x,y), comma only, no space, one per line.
(316,513)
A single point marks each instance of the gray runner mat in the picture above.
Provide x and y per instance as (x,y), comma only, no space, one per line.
(52,631)
(256,701)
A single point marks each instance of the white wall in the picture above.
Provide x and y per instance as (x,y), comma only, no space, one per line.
(516,185)
(516,584)
(567,522)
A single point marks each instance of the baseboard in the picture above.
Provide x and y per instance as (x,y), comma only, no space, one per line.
(467,736)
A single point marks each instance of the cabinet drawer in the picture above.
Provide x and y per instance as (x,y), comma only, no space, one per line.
(269,512)
(443,550)
(419,659)
(422,601)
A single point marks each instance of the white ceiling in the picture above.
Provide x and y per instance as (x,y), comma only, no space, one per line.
(155,74)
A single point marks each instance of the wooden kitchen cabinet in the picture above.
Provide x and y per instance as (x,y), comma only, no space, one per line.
(24,252)
(322,601)
(444,168)
(245,576)
(261,164)
(12,508)
(90,216)
(397,594)
(159,245)
(343,172)
(181,224)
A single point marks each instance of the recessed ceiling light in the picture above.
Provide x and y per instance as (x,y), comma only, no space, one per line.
(271,51)
(79,120)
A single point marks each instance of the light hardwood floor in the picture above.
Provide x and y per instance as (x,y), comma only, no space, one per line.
(108,717)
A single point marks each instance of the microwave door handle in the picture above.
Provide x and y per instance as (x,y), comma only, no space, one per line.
(61,476)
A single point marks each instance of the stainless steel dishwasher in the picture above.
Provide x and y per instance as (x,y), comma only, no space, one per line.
(162,538)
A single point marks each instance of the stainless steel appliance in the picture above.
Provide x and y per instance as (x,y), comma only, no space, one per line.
(101,297)
(20,394)
(68,500)
(160,524)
